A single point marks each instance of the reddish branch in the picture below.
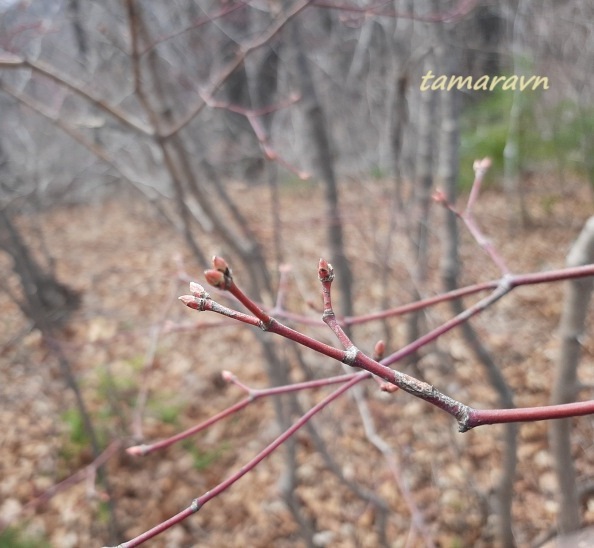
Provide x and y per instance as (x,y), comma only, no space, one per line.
(221,277)
(199,502)
(466,416)
(253,395)
(480,168)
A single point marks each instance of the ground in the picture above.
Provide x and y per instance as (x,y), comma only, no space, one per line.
(131,332)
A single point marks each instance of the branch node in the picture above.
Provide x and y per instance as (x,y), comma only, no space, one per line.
(328,313)
(265,326)
(350,355)
(505,283)
(195,506)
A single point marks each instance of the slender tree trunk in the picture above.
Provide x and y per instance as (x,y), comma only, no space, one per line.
(48,304)
(422,198)
(448,176)
(572,325)
(511,153)
(324,163)
(44,297)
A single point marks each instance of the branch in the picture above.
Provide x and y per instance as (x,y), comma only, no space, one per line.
(199,502)
(89,472)
(230,67)
(196,24)
(466,416)
(78,88)
(463,8)
(480,168)
(253,395)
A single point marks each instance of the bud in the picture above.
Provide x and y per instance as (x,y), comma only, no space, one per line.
(220,264)
(197,290)
(227,376)
(388,387)
(325,271)
(216,278)
(482,165)
(439,197)
(190,301)
(379,350)
(136,451)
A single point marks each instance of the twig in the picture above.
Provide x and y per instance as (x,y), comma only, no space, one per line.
(199,502)
(253,395)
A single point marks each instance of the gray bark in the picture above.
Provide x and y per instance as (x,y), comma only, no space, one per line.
(571,327)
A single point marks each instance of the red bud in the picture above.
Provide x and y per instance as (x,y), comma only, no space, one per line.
(215,278)
(388,387)
(325,271)
(220,264)
(189,301)
(197,290)
(379,350)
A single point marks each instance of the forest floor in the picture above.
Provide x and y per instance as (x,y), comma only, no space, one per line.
(131,334)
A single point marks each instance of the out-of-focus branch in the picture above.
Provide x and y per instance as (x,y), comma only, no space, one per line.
(220,78)
(253,395)
(253,117)
(383,8)
(195,24)
(43,111)
(199,502)
(14,62)
(89,472)
(467,216)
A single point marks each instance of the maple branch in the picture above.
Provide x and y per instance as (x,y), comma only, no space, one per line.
(253,395)
(466,416)
(480,168)
(199,502)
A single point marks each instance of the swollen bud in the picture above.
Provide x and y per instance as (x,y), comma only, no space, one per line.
(388,387)
(216,278)
(482,165)
(325,271)
(227,376)
(220,264)
(190,302)
(197,290)
(379,350)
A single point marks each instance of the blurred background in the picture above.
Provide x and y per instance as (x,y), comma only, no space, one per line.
(140,138)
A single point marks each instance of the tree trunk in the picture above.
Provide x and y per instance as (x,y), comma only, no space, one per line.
(45,299)
(450,264)
(565,387)
(324,163)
